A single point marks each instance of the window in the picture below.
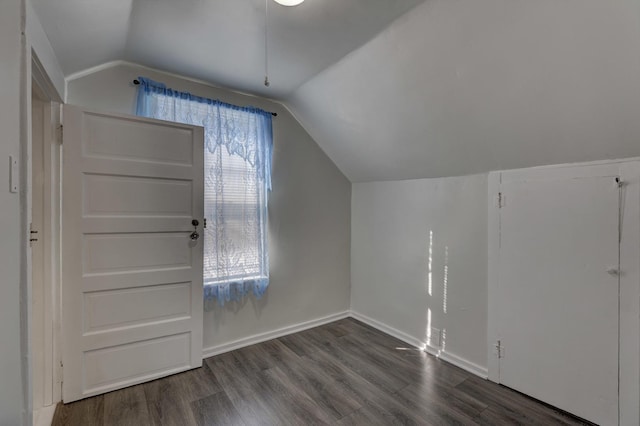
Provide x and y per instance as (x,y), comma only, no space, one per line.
(237,178)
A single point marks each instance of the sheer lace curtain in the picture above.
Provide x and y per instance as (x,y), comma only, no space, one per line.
(237,178)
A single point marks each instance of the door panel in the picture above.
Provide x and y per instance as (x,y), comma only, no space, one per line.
(163,196)
(135,306)
(132,276)
(558,304)
(119,366)
(146,250)
(117,138)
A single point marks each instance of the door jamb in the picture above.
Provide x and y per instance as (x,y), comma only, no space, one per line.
(50,234)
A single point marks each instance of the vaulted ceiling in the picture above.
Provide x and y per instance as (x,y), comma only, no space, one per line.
(396,89)
(221,41)
(459,87)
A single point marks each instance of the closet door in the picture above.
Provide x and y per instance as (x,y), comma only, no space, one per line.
(131,263)
(559,290)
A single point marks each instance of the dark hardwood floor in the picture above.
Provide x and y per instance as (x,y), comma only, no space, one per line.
(343,373)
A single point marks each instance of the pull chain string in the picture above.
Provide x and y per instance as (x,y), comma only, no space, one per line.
(266,43)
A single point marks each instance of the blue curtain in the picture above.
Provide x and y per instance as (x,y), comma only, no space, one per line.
(237,161)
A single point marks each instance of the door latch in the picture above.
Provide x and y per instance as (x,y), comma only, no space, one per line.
(194,235)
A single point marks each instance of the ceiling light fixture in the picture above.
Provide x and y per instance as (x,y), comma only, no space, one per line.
(289,2)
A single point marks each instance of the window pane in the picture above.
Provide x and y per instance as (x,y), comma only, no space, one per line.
(232,209)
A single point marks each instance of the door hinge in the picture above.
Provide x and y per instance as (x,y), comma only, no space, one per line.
(501,200)
(61,376)
(32,233)
(205,223)
(499,349)
(60,134)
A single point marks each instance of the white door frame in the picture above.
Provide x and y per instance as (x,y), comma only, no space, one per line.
(49,235)
(629,345)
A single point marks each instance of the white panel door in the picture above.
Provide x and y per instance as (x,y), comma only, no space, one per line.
(558,303)
(132,274)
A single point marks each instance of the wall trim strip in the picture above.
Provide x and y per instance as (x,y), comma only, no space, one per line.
(449,357)
(388,330)
(274,334)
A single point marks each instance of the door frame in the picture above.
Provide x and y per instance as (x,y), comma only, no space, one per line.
(629,314)
(49,235)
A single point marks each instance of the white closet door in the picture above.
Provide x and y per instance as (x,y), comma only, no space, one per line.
(132,275)
(559,293)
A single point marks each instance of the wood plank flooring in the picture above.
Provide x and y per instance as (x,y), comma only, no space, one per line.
(343,373)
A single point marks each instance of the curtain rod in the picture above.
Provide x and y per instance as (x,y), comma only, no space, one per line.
(136,82)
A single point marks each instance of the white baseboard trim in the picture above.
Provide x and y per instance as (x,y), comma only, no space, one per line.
(459,362)
(388,330)
(269,335)
(44,415)
(443,355)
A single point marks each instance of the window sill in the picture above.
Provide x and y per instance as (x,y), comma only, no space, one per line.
(237,280)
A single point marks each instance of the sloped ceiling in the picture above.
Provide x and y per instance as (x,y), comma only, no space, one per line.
(458,87)
(452,87)
(220,41)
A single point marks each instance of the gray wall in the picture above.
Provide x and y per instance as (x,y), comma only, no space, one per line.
(11,104)
(309,213)
(394,226)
